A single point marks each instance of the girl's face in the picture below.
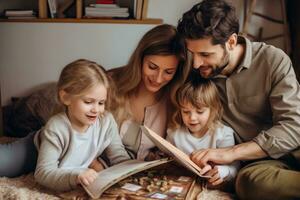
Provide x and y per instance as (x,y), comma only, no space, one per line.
(158,70)
(84,110)
(195,119)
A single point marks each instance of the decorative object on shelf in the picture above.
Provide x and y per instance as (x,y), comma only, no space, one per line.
(43,9)
(53,8)
(62,7)
(79,6)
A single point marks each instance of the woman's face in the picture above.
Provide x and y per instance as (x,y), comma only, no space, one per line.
(158,70)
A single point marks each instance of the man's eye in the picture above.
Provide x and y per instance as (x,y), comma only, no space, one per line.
(87,102)
(205,54)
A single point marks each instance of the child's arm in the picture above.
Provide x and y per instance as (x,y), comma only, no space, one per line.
(87,177)
(115,151)
(96,165)
(229,171)
(47,172)
(220,173)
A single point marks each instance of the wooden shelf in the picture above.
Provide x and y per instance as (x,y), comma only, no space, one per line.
(74,20)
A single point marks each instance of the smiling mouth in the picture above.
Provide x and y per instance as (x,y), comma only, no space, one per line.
(193,124)
(154,84)
(91,117)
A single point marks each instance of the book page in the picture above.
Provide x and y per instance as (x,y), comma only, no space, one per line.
(173,151)
(114,174)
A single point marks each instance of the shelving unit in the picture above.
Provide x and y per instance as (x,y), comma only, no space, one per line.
(43,16)
(75,20)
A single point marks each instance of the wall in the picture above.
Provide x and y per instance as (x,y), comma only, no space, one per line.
(34,53)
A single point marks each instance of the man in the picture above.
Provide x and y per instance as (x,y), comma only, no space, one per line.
(261,99)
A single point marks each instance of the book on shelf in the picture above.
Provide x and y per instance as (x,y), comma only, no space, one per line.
(53,8)
(116,173)
(21,13)
(91,12)
(100,5)
(21,17)
(145,9)
(106,10)
(138,9)
(105,1)
(172,151)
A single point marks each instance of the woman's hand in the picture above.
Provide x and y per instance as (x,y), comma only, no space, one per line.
(87,177)
(96,165)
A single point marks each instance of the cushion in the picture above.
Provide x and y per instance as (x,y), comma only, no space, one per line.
(30,113)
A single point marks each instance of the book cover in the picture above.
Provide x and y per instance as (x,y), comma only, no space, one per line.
(145,9)
(138,9)
(173,151)
(116,173)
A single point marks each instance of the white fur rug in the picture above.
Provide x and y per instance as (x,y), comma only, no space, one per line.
(25,188)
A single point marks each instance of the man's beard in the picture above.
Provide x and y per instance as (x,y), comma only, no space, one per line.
(216,71)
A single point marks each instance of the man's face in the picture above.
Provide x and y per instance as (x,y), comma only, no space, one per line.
(209,59)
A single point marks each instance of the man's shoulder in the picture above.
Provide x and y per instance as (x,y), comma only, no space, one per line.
(268,52)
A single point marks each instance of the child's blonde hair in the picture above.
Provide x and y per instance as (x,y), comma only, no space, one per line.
(81,75)
(200,93)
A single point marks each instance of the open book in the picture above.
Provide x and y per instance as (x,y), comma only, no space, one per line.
(116,173)
(173,151)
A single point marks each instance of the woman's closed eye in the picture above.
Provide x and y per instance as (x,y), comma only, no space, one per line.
(170,71)
(101,103)
(152,66)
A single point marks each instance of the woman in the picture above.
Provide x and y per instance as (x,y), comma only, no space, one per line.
(141,96)
(155,69)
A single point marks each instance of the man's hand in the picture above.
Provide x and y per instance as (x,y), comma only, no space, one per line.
(244,151)
(87,177)
(203,157)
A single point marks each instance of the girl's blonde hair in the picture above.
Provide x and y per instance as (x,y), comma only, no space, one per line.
(81,75)
(161,40)
(200,93)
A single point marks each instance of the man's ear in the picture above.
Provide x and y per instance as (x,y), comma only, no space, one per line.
(232,41)
(64,97)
